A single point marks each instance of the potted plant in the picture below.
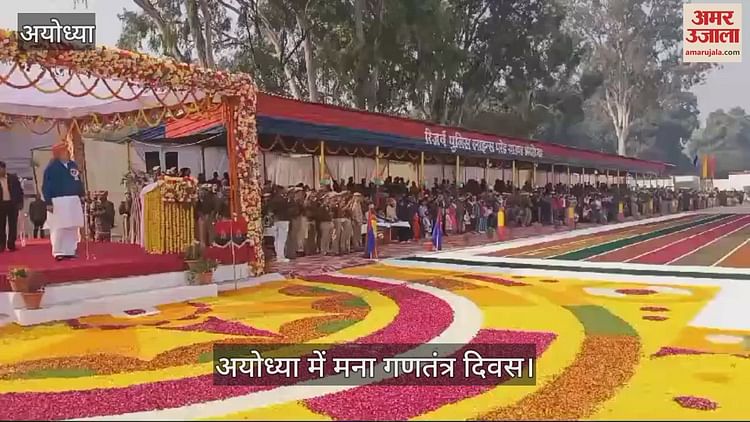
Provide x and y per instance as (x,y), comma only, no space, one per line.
(19,279)
(202,271)
(193,255)
(33,296)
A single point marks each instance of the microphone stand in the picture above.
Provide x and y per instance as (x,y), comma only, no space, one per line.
(22,231)
(86,229)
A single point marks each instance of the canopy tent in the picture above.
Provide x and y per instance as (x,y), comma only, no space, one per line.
(300,119)
(91,90)
(210,123)
(65,95)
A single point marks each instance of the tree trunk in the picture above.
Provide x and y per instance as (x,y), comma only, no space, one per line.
(618,109)
(307,46)
(194,22)
(208,33)
(273,38)
(168,36)
(360,71)
(374,77)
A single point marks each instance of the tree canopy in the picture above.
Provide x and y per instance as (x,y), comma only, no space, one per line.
(605,75)
(726,135)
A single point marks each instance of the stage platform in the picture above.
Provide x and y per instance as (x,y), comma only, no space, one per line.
(116,278)
(106,261)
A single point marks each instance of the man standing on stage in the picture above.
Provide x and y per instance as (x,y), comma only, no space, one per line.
(63,189)
(11,201)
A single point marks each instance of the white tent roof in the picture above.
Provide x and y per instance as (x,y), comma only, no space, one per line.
(49,101)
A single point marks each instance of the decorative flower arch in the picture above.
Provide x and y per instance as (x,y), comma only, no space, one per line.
(180,90)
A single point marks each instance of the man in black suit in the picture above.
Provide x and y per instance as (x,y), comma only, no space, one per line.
(11,201)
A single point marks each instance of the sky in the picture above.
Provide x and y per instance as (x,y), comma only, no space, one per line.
(724,88)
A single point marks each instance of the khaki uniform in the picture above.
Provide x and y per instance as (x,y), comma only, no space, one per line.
(295,229)
(338,227)
(357,220)
(326,237)
(303,233)
(345,240)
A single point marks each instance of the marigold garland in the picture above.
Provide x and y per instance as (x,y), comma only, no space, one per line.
(182,190)
(142,72)
(170,225)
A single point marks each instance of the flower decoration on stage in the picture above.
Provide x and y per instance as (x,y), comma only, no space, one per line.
(128,75)
(182,190)
(6,121)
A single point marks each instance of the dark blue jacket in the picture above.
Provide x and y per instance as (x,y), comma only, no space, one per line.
(15,190)
(61,181)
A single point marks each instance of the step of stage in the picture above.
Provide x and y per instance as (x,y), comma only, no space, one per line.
(112,304)
(114,296)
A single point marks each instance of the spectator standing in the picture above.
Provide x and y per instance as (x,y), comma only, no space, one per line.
(38,216)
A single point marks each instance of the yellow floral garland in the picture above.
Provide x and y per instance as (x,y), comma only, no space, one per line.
(182,190)
(170,226)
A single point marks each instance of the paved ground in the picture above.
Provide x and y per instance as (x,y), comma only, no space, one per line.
(316,264)
(698,240)
(607,349)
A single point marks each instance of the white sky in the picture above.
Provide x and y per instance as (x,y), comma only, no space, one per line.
(725,88)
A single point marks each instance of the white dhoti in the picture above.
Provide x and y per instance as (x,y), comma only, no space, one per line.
(64,223)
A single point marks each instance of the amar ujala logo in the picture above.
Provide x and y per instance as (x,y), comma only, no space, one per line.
(712,32)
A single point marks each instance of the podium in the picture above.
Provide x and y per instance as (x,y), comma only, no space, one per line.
(169,215)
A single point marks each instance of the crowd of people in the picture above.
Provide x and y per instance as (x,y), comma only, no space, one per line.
(330,221)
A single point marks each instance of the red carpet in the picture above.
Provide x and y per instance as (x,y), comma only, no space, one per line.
(107,260)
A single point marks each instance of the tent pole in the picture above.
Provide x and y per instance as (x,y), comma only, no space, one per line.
(458,169)
(553,175)
(377,162)
(513,175)
(229,122)
(312,169)
(322,163)
(422,181)
(265,167)
(617,181)
(130,159)
(203,160)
